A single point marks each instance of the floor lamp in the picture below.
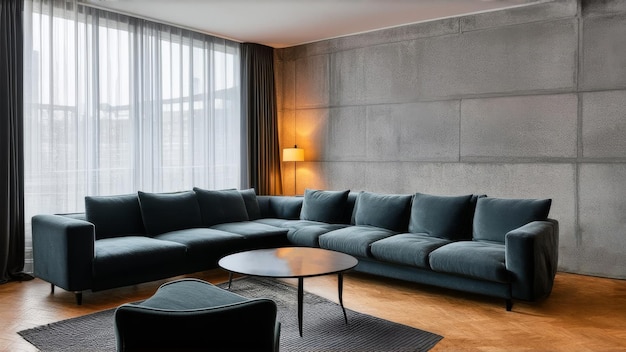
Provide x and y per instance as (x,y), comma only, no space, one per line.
(294,154)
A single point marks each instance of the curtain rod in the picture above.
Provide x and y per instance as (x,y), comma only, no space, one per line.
(86,4)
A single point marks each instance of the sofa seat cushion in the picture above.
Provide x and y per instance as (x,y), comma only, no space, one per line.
(479,260)
(309,235)
(291,225)
(299,224)
(251,229)
(256,233)
(354,240)
(303,232)
(407,248)
(204,246)
(276,222)
(294,225)
(137,255)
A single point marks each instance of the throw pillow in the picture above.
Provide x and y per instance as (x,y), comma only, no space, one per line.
(114,216)
(495,217)
(440,216)
(383,210)
(165,212)
(252,203)
(219,207)
(324,206)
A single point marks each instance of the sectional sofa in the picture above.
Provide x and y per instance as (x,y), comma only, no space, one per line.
(505,248)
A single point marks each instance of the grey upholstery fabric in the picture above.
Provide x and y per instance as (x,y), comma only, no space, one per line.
(100,210)
(122,261)
(521,266)
(324,206)
(221,206)
(63,251)
(407,248)
(252,204)
(251,228)
(165,212)
(286,207)
(494,217)
(440,216)
(257,234)
(194,315)
(532,258)
(309,235)
(388,211)
(204,246)
(188,294)
(354,240)
(277,222)
(479,260)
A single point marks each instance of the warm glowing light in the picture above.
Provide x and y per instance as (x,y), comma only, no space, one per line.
(293,154)
(284,252)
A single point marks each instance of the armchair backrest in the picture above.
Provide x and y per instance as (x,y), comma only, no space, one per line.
(242,326)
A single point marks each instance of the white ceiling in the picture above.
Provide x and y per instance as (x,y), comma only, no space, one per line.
(284,23)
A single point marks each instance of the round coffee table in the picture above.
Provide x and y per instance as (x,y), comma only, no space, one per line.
(291,262)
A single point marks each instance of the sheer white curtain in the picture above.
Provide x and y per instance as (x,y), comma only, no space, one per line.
(115,104)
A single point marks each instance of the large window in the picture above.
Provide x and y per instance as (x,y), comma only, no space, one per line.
(115,104)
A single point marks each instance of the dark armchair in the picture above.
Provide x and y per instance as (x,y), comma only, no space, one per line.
(192,314)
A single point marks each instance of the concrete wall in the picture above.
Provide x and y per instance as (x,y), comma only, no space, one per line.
(523,103)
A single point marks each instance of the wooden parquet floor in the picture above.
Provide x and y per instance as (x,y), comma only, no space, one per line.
(583,313)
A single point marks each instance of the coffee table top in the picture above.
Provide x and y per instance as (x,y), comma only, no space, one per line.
(288,262)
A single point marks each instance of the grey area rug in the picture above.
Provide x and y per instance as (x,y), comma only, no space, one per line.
(324,328)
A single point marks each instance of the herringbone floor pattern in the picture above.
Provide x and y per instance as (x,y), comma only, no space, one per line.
(583,313)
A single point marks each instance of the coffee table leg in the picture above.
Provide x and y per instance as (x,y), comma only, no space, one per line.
(300,297)
(230,279)
(340,288)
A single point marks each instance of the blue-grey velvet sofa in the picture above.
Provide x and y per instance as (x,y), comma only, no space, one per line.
(505,248)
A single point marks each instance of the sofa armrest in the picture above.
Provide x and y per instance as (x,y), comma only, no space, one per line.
(63,251)
(532,258)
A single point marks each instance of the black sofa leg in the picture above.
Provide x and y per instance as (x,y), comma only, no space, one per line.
(78,294)
(509,305)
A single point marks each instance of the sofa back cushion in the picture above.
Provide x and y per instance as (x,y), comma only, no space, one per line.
(324,206)
(114,216)
(165,212)
(252,204)
(285,207)
(219,207)
(494,217)
(348,212)
(441,216)
(389,211)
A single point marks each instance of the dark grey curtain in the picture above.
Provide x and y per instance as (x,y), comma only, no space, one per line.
(258,96)
(11,136)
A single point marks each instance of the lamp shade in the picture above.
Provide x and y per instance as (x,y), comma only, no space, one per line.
(293,154)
